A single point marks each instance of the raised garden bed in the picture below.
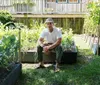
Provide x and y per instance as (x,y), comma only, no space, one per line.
(31,57)
(9,77)
(69,49)
(70,56)
(67,58)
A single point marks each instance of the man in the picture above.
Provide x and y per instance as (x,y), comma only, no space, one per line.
(53,37)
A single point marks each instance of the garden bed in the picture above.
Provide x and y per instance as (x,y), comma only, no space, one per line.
(31,57)
(67,58)
(9,77)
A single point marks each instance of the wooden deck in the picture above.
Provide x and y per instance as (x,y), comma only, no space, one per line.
(49,15)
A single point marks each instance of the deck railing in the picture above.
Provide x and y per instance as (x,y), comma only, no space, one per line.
(44,7)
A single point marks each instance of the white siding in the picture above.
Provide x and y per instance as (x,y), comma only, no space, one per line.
(41,6)
(6,5)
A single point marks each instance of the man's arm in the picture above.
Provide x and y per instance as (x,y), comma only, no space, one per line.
(41,40)
(58,42)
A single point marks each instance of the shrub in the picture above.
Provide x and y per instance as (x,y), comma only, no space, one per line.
(92,19)
(5,17)
(67,40)
(8,50)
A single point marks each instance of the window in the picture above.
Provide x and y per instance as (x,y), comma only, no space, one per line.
(61,1)
(51,0)
(73,1)
(64,1)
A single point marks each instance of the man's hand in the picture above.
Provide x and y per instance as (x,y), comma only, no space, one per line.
(46,48)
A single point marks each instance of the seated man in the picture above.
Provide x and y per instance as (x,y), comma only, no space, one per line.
(53,37)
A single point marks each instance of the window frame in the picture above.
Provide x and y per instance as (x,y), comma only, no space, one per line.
(51,1)
(62,2)
(68,2)
(78,1)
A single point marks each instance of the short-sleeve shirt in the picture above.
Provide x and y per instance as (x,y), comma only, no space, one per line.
(51,37)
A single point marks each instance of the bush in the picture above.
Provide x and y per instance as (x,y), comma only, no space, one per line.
(89,26)
(29,37)
(5,17)
(8,50)
(67,40)
(92,19)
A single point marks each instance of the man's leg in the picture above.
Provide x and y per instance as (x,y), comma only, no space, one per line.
(40,55)
(59,53)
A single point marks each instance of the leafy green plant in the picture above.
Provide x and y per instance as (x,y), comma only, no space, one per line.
(94,11)
(89,26)
(67,40)
(92,19)
(5,17)
(29,37)
(8,49)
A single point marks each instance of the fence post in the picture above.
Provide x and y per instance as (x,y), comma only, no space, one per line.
(19,59)
(81,6)
(98,30)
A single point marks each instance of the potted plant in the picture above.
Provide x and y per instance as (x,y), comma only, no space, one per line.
(9,68)
(69,48)
(24,6)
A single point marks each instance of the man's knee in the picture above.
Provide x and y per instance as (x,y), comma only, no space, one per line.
(39,48)
(59,47)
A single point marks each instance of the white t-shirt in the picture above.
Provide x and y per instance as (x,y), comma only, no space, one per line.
(51,37)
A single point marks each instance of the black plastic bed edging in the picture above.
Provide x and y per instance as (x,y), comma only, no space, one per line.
(69,58)
(13,76)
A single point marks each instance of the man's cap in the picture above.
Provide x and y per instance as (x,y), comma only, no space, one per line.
(49,20)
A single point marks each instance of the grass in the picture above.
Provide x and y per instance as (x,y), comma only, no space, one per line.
(76,74)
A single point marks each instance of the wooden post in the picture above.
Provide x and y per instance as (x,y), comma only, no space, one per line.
(19,56)
(98,39)
(98,30)
(80,5)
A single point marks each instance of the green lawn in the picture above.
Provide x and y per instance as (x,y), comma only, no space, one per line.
(76,74)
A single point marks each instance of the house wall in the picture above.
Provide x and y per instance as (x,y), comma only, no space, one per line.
(68,7)
(41,6)
(5,5)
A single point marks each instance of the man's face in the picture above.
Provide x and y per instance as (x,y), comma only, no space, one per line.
(49,25)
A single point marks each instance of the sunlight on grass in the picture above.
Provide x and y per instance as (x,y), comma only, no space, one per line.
(80,42)
(82,46)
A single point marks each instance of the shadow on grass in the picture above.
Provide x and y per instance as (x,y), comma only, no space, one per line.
(76,74)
